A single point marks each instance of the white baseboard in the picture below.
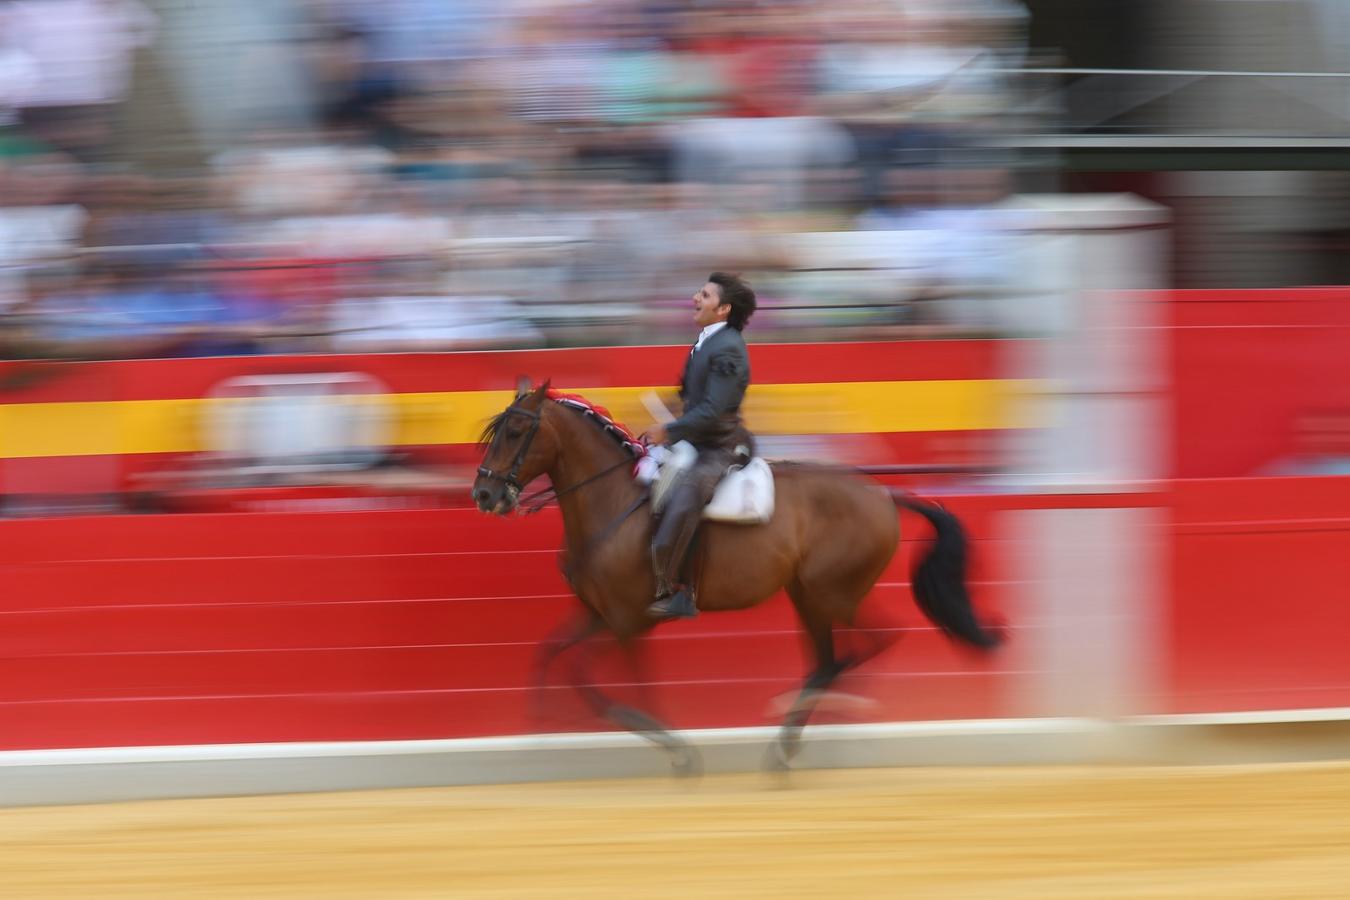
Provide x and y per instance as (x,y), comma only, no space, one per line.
(98,775)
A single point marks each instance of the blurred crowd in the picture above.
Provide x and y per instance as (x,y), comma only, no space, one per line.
(444,174)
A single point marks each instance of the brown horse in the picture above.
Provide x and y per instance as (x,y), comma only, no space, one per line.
(832,534)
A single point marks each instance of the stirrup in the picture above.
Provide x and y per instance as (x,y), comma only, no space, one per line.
(679,605)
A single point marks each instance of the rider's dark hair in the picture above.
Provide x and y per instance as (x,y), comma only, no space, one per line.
(738,294)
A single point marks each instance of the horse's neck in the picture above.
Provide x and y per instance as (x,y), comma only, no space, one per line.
(585,452)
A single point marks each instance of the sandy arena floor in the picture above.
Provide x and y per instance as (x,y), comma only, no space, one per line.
(1033,834)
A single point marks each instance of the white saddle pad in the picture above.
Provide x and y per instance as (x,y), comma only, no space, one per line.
(744,495)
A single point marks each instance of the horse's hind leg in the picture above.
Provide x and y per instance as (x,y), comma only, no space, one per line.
(820,631)
(684,759)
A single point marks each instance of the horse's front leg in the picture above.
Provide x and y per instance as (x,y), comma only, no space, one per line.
(685,760)
(574,630)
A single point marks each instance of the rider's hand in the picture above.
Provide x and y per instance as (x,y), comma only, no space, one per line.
(655,435)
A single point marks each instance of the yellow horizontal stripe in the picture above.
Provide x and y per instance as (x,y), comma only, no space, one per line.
(85,429)
(822,408)
(457,417)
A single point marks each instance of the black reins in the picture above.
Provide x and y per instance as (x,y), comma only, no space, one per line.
(540,499)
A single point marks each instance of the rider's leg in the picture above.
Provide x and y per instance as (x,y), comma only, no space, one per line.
(679,522)
(675,533)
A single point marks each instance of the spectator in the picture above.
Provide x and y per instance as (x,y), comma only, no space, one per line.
(404,308)
(940,225)
(80,52)
(40,222)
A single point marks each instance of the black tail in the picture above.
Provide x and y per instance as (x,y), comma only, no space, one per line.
(939,579)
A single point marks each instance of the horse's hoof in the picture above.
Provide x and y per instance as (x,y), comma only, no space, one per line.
(778,767)
(686,763)
(778,759)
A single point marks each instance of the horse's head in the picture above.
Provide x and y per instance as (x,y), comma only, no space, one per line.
(518,451)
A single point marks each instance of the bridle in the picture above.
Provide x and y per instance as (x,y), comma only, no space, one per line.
(512,478)
(540,499)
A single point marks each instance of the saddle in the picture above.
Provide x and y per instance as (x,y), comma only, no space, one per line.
(744,495)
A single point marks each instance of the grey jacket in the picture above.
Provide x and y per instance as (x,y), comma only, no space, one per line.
(712,387)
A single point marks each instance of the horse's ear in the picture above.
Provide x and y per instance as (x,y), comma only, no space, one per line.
(522,385)
(542,390)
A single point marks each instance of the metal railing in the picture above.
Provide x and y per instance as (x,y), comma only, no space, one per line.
(1239,107)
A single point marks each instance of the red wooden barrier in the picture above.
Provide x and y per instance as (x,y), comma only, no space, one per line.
(1245,365)
(239,628)
(1260,617)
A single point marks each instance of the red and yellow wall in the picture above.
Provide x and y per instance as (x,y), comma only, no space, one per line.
(920,402)
(419,623)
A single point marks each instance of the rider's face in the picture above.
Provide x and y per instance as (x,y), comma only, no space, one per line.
(708,306)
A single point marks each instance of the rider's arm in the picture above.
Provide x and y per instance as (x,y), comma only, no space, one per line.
(723,395)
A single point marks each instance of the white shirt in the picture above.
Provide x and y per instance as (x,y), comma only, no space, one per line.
(82,49)
(707,332)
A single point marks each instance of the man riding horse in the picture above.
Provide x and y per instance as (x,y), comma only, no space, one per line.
(712,386)
(832,535)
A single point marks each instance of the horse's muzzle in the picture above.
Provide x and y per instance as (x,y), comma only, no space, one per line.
(493,497)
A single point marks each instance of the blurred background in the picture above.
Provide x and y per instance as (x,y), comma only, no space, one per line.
(428,175)
(317,175)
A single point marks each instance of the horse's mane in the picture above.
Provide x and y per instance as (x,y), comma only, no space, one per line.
(597,414)
(601,416)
